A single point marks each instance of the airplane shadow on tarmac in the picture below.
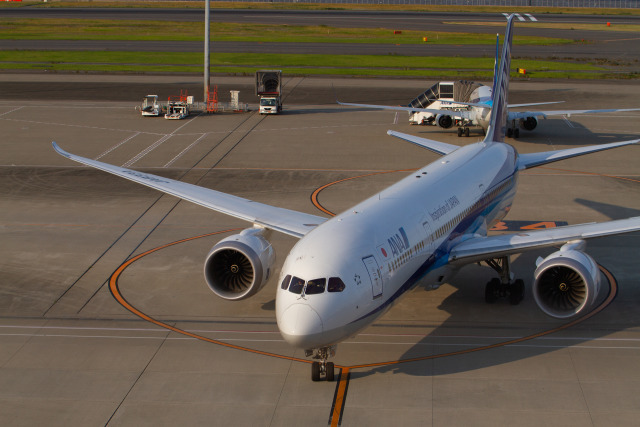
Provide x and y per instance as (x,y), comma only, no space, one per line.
(473,324)
(545,133)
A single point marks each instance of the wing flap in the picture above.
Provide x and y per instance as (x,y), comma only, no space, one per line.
(487,247)
(287,221)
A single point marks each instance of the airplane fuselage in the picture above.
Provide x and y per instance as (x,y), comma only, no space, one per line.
(347,272)
(482,114)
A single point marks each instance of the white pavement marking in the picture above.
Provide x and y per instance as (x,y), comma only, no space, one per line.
(568,122)
(154,145)
(117,145)
(145,151)
(11,111)
(183,152)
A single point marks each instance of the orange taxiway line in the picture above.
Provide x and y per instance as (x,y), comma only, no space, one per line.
(613,290)
(314,195)
(115,291)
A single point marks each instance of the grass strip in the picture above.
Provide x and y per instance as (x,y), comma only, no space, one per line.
(105,29)
(292,64)
(301,5)
(279,60)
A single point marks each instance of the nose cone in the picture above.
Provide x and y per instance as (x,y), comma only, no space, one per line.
(301,326)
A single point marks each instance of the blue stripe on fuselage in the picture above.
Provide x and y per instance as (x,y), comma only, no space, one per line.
(440,255)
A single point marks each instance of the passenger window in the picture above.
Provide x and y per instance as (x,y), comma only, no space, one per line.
(335,285)
(285,282)
(315,286)
(297,284)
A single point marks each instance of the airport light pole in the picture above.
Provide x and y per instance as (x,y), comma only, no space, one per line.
(206,49)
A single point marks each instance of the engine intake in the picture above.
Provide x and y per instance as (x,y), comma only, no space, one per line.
(566,283)
(240,265)
(444,121)
(529,123)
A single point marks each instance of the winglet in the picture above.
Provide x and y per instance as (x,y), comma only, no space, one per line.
(60,150)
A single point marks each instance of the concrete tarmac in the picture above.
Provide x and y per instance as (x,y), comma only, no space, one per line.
(84,343)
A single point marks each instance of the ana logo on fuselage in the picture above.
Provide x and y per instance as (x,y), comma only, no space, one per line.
(399,242)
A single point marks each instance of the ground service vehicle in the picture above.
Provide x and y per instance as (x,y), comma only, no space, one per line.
(268,89)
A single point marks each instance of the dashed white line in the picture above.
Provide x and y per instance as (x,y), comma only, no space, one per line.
(183,152)
(117,145)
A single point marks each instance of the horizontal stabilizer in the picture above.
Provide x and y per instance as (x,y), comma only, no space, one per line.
(429,144)
(531,160)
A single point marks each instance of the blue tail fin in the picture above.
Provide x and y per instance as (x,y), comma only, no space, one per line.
(496,63)
(498,123)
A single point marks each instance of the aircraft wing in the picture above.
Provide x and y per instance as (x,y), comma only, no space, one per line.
(532,104)
(531,160)
(287,221)
(435,146)
(462,114)
(545,114)
(486,247)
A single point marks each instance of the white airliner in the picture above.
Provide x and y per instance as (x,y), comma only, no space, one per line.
(346,271)
(478,111)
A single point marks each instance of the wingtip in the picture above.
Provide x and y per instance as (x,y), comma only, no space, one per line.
(59,150)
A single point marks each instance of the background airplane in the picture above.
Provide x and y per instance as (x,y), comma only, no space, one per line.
(345,272)
(443,111)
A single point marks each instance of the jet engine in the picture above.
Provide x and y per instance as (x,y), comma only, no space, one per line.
(240,265)
(529,123)
(566,282)
(444,121)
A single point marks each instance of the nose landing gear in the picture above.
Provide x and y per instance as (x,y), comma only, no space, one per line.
(322,368)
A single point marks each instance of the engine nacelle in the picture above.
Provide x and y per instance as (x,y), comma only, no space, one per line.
(566,282)
(444,121)
(529,123)
(240,265)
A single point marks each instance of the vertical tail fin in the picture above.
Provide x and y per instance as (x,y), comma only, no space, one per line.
(498,123)
(496,62)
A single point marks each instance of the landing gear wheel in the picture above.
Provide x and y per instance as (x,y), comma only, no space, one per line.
(466,132)
(517,292)
(516,133)
(491,291)
(330,371)
(315,371)
(509,133)
(459,132)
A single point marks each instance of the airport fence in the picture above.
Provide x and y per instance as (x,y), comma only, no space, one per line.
(614,4)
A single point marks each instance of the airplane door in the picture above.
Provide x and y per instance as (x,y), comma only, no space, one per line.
(374,274)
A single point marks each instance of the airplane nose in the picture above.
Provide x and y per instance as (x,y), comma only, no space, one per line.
(300,326)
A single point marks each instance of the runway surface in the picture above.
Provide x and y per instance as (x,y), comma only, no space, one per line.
(90,335)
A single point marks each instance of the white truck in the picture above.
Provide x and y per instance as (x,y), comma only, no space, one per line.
(268,89)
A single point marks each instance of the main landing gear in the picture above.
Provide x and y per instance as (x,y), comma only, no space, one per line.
(463,130)
(513,131)
(505,286)
(322,368)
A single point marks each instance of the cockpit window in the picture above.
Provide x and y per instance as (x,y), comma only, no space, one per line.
(335,285)
(297,284)
(285,282)
(315,286)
